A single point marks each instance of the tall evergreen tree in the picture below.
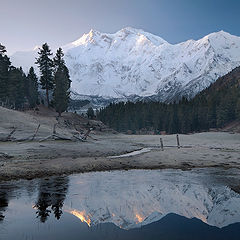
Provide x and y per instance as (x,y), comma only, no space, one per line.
(90,113)
(45,64)
(238,109)
(2,49)
(32,88)
(61,93)
(4,68)
(16,89)
(58,60)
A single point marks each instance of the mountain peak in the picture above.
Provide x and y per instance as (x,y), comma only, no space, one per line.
(85,38)
(154,39)
(223,41)
(94,36)
(220,34)
(93,32)
(132,62)
(131,30)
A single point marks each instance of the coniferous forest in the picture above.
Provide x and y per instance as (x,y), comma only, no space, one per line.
(21,91)
(17,89)
(214,107)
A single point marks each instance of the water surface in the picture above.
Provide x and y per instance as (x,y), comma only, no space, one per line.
(136,204)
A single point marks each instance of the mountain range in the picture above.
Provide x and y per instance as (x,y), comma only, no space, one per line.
(131,199)
(132,64)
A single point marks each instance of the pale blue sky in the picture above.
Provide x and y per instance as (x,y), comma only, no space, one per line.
(27,23)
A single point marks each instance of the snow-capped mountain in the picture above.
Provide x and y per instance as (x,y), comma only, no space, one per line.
(132,63)
(134,198)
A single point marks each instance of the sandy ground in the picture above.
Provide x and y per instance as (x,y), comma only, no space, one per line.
(38,159)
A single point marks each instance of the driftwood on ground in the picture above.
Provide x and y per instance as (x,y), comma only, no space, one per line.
(5,155)
(57,136)
(31,137)
(53,136)
(83,137)
(8,137)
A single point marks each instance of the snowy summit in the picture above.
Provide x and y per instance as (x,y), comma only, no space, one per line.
(132,62)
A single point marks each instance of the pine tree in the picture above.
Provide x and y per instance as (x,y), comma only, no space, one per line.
(4,68)
(16,90)
(58,60)
(32,88)
(45,64)
(173,121)
(2,49)
(238,109)
(61,93)
(90,113)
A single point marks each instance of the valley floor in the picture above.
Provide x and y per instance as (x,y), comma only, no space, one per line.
(40,159)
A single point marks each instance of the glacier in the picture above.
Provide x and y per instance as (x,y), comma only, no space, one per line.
(133,64)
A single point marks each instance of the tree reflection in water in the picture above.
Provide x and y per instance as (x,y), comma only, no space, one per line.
(9,190)
(3,205)
(6,193)
(52,193)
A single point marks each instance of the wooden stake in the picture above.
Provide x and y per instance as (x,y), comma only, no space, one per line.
(178,144)
(161,142)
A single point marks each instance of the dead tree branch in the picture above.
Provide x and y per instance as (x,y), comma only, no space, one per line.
(8,137)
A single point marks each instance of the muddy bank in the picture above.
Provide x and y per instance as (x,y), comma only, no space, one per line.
(38,159)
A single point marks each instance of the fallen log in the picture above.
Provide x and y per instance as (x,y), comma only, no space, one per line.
(10,134)
(8,137)
(56,136)
(5,155)
(31,137)
(84,137)
(79,138)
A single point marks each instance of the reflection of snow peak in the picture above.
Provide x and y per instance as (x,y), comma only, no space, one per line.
(138,197)
(139,218)
(82,216)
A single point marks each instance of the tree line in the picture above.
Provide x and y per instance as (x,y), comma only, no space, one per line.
(20,91)
(214,107)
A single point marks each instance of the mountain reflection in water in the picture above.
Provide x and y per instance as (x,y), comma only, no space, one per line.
(135,204)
